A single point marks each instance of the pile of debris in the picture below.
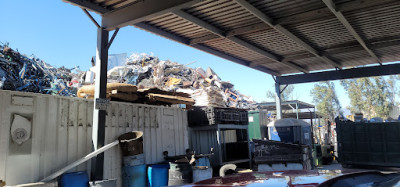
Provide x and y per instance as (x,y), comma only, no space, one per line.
(205,87)
(156,81)
(29,74)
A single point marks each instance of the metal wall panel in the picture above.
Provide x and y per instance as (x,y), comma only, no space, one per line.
(202,141)
(62,132)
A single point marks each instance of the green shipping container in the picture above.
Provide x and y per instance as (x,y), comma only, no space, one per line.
(258,122)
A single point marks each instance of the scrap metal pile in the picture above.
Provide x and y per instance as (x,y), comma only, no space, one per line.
(29,74)
(156,80)
(205,87)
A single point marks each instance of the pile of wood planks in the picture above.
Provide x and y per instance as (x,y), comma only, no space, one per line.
(130,93)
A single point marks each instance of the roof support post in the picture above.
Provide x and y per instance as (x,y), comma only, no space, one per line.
(278,101)
(332,7)
(99,116)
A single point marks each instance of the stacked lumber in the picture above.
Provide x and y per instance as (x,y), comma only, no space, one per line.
(130,93)
(170,99)
(114,91)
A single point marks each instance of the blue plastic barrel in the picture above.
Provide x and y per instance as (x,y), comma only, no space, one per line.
(158,175)
(76,179)
(134,176)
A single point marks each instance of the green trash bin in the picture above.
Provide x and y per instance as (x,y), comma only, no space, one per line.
(258,122)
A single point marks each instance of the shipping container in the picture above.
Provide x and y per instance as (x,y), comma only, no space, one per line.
(375,144)
(61,132)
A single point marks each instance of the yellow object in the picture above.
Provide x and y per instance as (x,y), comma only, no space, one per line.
(173,81)
(2,183)
(245,171)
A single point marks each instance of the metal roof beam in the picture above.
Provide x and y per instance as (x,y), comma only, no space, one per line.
(348,48)
(201,47)
(332,7)
(142,11)
(234,32)
(234,39)
(85,4)
(286,32)
(370,71)
(325,12)
(297,18)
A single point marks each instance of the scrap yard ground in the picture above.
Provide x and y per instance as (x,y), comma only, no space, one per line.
(182,115)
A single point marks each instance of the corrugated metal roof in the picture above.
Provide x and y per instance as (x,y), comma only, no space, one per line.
(314,36)
(114,4)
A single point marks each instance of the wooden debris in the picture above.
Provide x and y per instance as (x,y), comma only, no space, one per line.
(125,96)
(170,99)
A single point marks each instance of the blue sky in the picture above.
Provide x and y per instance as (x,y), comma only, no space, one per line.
(62,35)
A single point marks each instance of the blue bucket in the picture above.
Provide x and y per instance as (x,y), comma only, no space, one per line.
(134,176)
(158,175)
(76,179)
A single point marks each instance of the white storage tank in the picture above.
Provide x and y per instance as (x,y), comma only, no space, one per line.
(290,130)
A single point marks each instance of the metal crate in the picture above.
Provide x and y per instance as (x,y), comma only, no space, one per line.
(200,116)
(376,144)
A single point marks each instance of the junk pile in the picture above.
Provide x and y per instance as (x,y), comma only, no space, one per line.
(30,74)
(206,88)
(148,80)
(130,93)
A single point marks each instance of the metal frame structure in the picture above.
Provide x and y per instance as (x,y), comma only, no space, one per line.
(295,105)
(295,41)
(219,128)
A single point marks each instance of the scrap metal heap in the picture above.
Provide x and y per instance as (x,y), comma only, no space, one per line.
(156,80)
(205,87)
(30,74)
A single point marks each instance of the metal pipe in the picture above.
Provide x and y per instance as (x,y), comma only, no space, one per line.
(278,101)
(91,17)
(80,161)
(112,38)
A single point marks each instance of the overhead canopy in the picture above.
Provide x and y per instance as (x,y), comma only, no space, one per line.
(289,106)
(286,105)
(276,37)
(303,115)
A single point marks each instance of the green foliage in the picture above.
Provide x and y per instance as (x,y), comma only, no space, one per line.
(374,97)
(286,95)
(327,103)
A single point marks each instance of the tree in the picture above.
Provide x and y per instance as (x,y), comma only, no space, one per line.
(374,97)
(327,103)
(286,95)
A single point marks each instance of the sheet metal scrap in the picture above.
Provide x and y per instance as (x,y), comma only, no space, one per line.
(205,87)
(21,73)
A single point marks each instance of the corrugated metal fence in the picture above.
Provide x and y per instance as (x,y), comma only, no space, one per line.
(62,130)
